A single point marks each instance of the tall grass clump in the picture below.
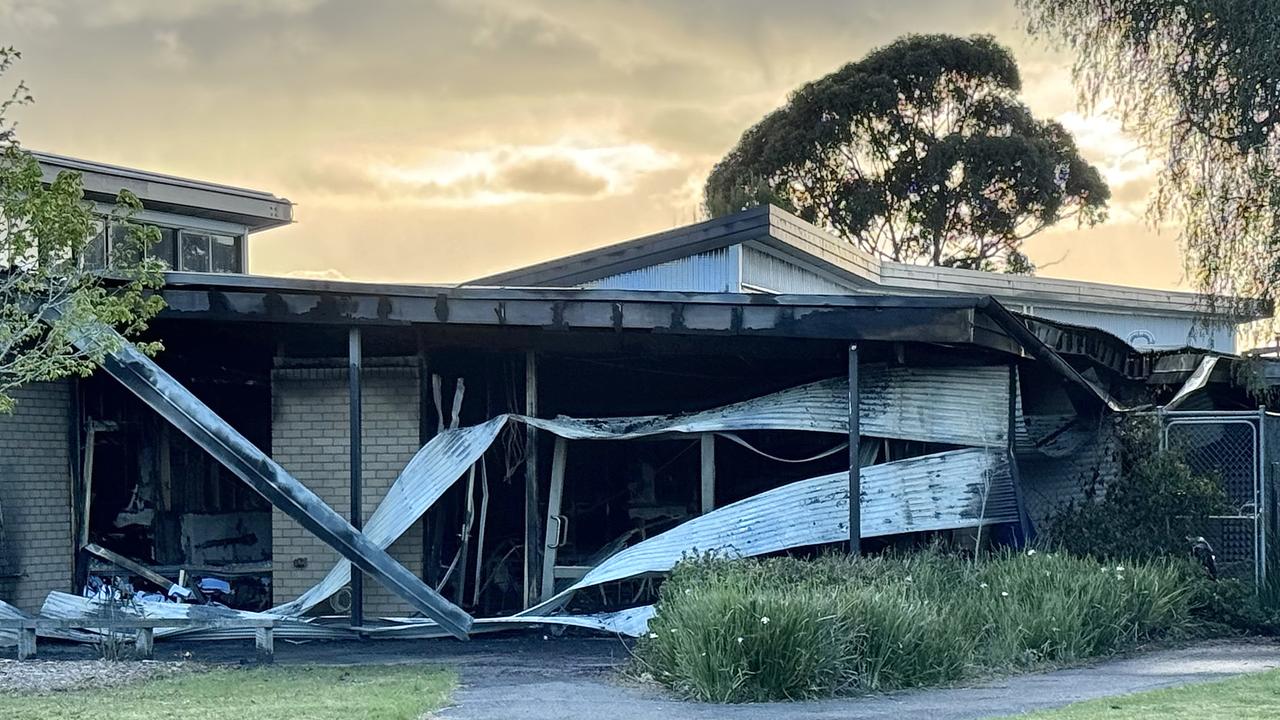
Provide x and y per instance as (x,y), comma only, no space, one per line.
(754,630)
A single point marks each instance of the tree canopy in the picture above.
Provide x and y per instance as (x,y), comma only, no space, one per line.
(1198,82)
(51,294)
(920,152)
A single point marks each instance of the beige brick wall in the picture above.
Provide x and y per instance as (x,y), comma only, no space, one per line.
(309,431)
(35,495)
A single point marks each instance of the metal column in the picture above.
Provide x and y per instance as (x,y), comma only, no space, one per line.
(354,362)
(855,465)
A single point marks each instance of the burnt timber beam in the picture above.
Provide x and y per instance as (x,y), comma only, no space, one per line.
(197,421)
(854,318)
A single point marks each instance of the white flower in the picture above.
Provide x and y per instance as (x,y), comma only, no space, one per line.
(739,640)
(673,631)
(1004,594)
(908,578)
(983,585)
(764,620)
(653,636)
(1031,552)
(1119,568)
(1119,577)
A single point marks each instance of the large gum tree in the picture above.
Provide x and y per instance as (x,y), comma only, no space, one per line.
(920,152)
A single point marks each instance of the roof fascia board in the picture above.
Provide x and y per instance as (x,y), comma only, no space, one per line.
(815,249)
(255,209)
(1032,291)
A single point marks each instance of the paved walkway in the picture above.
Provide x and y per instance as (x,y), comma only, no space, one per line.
(575,679)
(527,677)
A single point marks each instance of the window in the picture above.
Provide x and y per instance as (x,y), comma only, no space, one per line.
(112,245)
(166,247)
(193,251)
(226,254)
(95,251)
(124,248)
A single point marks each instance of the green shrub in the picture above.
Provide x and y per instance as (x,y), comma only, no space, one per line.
(754,630)
(1152,508)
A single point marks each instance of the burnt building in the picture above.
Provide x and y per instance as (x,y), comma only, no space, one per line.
(576,425)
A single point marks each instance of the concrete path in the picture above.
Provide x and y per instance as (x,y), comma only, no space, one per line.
(560,679)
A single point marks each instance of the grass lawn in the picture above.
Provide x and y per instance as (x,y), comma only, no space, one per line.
(1252,697)
(397,692)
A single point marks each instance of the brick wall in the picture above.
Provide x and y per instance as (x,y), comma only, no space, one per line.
(35,496)
(309,431)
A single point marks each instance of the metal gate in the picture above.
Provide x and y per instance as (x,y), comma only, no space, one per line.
(1230,446)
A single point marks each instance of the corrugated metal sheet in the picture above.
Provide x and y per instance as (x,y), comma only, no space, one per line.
(9,612)
(431,471)
(60,605)
(956,406)
(712,271)
(960,406)
(956,489)
(632,621)
(773,274)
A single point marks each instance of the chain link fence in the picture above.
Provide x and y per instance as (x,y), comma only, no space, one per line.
(1230,447)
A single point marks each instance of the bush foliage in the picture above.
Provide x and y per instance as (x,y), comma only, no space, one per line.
(1151,509)
(755,630)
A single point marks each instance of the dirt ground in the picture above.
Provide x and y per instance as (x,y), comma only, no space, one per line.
(43,676)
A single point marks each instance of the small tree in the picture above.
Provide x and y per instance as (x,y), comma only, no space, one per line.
(51,299)
(920,152)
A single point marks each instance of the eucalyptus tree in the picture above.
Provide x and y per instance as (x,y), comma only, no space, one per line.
(920,152)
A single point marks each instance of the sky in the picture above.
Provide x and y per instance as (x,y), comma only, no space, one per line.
(442,140)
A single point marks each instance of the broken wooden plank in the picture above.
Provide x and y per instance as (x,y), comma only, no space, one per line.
(170,587)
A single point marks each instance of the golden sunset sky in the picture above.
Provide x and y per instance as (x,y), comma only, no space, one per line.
(436,141)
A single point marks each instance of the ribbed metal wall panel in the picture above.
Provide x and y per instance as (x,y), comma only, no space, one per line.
(766,272)
(955,406)
(711,271)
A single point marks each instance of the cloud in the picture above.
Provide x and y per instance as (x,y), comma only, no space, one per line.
(502,175)
(549,176)
(172,52)
(27,15)
(126,12)
(443,119)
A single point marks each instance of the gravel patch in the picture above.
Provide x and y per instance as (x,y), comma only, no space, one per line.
(45,676)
